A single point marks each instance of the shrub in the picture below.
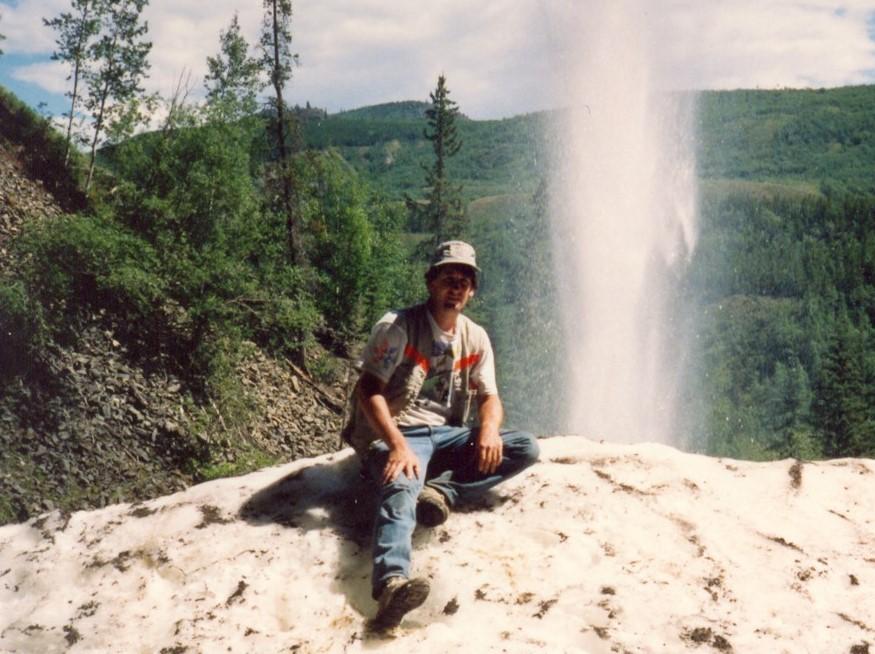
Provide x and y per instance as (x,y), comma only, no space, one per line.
(79,263)
(23,330)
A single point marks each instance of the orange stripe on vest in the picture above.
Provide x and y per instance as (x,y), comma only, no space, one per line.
(411,353)
(467,362)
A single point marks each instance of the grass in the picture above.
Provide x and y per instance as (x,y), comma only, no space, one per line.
(248,459)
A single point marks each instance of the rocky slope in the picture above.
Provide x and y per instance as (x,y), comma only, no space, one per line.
(21,199)
(95,426)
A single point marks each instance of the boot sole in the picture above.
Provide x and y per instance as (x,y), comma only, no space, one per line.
(430,513)
(410,596)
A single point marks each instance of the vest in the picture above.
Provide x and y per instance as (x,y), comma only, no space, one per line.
(406,381)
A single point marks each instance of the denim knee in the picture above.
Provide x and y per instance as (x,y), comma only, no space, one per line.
(525,448)
(400,491)
(533,450)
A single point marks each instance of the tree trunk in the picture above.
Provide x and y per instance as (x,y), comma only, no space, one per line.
(75,95)
(72,111)
(97,127)
(285,172)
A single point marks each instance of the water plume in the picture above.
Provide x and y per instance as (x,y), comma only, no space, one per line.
(623,215)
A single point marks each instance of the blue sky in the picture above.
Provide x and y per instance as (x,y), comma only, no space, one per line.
(500,58)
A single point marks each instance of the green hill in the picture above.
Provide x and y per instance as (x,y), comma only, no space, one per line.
(497,156)
(180,263)
(821,139)
(405,110)
(783,277)
(810,140)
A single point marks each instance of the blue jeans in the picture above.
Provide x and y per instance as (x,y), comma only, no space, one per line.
(448,457)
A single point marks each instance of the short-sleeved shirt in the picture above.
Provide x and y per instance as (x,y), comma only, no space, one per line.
(385,350)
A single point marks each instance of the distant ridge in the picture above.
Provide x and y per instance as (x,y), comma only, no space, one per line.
(403,110)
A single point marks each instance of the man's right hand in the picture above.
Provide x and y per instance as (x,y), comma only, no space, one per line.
(401,459)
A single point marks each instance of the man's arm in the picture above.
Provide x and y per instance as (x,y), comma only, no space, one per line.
(369,392)
(489,443)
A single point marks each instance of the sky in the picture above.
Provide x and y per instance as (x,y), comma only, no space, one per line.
(500,59)
(599,548)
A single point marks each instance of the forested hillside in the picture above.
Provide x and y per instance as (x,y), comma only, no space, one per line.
(784,273)
(784,363)
(180,253)
(818,140)
(157,334)
(388,149)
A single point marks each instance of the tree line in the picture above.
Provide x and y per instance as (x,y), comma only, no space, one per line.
(785,290)
(217,229)
(223,227)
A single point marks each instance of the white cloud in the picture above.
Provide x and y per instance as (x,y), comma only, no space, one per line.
(50,75)
(23,26)
(498,58)
(775,44)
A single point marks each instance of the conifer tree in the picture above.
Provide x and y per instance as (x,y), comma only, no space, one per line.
(841,410)
(76,32)
(277,60)
(233,77)
(120,63)
(441,213)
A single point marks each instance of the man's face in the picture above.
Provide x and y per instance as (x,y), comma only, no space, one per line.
(451,288)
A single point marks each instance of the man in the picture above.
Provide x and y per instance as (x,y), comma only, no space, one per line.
(423,369)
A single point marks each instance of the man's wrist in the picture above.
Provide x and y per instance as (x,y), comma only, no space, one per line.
(395,440)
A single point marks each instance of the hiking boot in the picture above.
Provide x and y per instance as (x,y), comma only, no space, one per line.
(398,597)
(432,508)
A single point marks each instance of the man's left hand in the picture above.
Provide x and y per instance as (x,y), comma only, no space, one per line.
(489,450)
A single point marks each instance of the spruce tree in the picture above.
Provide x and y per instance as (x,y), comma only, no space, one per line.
(120,63)
(277,60)
(441,212)
(76,32)
(840,406)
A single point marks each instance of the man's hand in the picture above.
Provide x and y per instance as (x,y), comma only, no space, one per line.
(401,459)
(370,391)
(489,449)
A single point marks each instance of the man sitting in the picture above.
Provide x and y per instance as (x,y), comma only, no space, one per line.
(422,370)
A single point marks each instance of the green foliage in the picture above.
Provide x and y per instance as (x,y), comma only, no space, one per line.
(41,151)
(75,38)
(499,157)
(194,193)
(22,328)
(119,63)
(405,110)
(247,460)
(440,213)
(354,246)
(785,282)
(843,406)
(233,80)
(790,136)
(191,194)
(79,263)
(517,301)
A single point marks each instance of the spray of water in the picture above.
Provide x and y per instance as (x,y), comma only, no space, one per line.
(623,219)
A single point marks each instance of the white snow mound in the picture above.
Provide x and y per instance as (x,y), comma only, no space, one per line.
(598,548)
